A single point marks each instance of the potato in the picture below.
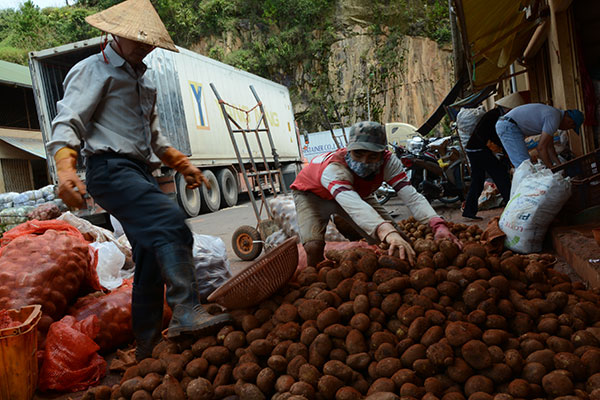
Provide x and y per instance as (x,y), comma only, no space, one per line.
(570,362)
(216,355)
(287,331)
(265,380)
(199,389)
(130,386)
(544,357)
(459,371)
(411,390)
(246,372)
(459,333)
(381,385)
(533,372)
(591,360)
(413,353)
(478,383)
(262,347)
(355,342)
(385,274)
(327,317)
(249,391)
(328,385)
(476,354)
(394,285)
(493,337)
(284,383)
(348,393)
(557,383)
(440,354)
(424,368)
(358,361)
(258,333)
(293,367)
(141,395)
(418,328)
(474,249)
(310,309)
(432,335)
(559,345)
(171,389)
(395,263)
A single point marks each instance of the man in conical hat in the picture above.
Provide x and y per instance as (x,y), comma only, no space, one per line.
(110,107)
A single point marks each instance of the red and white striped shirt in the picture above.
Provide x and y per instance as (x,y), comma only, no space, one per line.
(329,177)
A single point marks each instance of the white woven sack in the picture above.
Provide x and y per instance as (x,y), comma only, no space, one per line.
(537,199)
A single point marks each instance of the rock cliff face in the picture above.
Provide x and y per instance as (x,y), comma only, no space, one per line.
(377,76)
(409,93)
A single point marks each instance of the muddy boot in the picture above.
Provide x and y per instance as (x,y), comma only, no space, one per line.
(147,319)
(189,317)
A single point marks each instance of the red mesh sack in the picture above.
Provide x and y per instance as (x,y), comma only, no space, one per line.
(47,267)
(38,227)
(70,360)
(114,315)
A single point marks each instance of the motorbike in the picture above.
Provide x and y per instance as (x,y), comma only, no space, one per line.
(437,168)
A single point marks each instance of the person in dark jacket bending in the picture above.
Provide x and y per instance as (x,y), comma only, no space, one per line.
(483,160)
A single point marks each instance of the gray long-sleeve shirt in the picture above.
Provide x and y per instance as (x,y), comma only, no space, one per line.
(111,108)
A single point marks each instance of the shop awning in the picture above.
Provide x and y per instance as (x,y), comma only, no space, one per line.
(494,35)
(26,140)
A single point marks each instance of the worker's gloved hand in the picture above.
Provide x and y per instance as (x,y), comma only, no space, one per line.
(70,188)
(387,233)
(175,159)
(441,231)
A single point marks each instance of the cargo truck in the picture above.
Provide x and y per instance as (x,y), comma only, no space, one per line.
(190,116)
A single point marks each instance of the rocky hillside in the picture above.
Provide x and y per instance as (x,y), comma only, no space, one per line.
(365,60)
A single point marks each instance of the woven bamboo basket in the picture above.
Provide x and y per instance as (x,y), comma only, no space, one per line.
(260,280)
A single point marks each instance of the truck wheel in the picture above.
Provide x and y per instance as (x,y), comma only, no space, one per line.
(228,186)
(211,198)
(246,243)
(189,199)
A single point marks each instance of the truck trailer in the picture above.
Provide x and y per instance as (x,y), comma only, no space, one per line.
(190,117)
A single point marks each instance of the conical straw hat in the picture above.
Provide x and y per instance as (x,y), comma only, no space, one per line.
(514,99)
(135,20)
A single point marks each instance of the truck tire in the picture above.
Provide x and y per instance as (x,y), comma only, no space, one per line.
(211,198)
(229,187)
(246,243)
(189,199)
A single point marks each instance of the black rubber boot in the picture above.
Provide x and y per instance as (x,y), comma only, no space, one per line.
(189,317)
(147,319)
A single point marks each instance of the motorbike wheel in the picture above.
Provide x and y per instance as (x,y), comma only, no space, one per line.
(382,197)
(449,200)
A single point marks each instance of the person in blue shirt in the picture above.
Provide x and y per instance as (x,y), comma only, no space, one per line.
(535,119)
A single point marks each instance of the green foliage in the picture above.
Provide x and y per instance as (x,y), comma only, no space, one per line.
(30,28)
(13,55)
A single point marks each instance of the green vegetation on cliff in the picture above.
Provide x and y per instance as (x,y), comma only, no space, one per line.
(287,41)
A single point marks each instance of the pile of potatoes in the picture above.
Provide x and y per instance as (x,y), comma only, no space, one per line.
(458,325)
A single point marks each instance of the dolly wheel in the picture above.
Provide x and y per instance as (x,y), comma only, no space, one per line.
(246,243)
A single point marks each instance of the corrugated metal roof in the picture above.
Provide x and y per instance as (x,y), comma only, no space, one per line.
(14,74)
(27,140)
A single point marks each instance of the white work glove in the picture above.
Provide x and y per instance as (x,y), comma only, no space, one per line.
(388,234)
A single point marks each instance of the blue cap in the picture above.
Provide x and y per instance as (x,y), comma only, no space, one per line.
(577,117)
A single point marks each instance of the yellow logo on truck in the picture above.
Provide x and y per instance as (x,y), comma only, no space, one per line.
(200,113)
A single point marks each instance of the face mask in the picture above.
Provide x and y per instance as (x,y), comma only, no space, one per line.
(361,169)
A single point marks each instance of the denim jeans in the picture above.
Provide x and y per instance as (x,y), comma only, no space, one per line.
(513,141)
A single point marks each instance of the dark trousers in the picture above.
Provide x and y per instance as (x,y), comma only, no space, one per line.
(126,189)
(481,162)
